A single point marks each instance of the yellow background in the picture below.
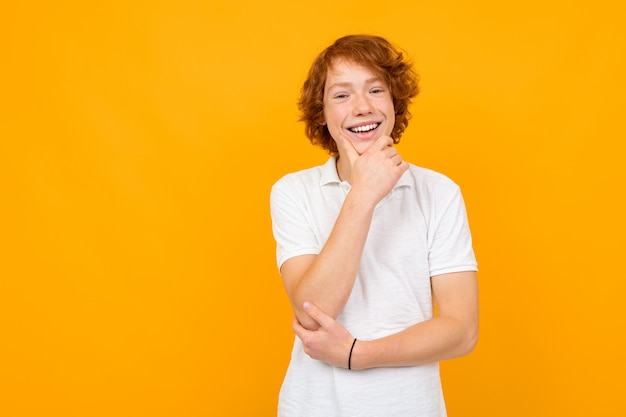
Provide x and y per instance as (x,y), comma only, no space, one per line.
(139,141)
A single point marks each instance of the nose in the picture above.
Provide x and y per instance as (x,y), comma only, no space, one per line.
(362,105)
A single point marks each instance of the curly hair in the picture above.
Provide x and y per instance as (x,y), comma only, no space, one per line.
(373,52)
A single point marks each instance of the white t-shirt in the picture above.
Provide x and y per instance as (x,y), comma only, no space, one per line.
(418,231)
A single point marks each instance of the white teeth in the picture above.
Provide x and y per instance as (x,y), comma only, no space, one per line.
(365,128)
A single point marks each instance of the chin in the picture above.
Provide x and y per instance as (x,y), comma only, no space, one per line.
(362,146)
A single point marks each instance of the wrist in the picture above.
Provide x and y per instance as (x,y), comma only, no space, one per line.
(350,356)
(362,198)
(358,360)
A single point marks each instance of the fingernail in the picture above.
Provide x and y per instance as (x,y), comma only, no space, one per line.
(307,306)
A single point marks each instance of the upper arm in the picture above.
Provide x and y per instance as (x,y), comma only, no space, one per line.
(456,296)
(292,271)
(297,244)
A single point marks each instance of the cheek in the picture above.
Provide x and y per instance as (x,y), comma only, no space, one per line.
(392,115)
(330,119)
(326,116)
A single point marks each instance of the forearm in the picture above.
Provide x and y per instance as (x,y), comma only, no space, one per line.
(447,336)
(328,280)
(453,333)
(430,341)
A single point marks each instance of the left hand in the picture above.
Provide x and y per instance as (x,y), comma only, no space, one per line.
(330,343)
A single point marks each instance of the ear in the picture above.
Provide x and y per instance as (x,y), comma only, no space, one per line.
(322,118)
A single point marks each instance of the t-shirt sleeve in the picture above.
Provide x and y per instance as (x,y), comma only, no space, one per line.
(291,223)
(450,241)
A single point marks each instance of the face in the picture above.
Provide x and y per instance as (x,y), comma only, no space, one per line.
(357,104)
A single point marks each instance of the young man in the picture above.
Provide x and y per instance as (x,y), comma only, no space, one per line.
(366,244)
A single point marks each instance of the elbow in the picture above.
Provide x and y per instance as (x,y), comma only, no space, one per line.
(466,339)
(470,341)
(305,320)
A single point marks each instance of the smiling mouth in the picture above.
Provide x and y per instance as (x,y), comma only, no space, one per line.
(365,128)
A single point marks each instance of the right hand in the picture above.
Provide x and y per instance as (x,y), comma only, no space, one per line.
(377,170)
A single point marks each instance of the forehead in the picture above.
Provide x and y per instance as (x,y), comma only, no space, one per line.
(344,71)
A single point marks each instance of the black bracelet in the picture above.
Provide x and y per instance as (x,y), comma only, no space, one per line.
(350,357)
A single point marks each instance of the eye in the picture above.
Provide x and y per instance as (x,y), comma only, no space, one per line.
(341,95)
(377,90)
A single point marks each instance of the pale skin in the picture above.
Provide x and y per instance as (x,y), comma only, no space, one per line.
(318,286)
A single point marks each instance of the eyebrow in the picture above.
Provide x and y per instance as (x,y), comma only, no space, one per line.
(348,84)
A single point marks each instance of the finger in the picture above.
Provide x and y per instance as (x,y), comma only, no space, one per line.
(318,315)
(345,144)
(391,151)
(295,324)
(397,159)
(384,142)
(298,329)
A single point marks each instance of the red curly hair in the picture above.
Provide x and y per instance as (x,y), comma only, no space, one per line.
(373,52)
